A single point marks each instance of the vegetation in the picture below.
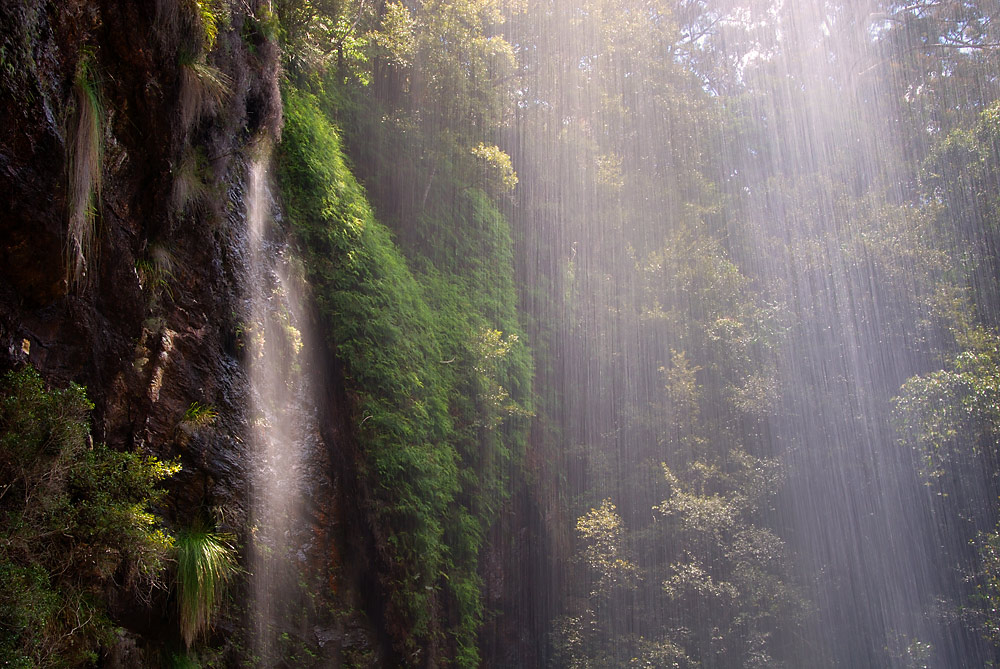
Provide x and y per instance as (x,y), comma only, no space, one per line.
(210,15)
(74,517)
(703,282)
(200,414)
(85,168)
(156,271)
(430,383)
(203,89)
(754,248)
(206,561)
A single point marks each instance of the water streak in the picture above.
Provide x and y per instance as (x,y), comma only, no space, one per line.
(282,415)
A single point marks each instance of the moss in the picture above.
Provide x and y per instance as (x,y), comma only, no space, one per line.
(435,363)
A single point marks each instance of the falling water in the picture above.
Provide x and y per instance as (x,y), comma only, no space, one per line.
(810,164)
(284,423)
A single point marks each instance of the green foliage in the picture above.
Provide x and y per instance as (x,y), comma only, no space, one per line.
(435,366)
(715,565)
(427,324)
(343,38)
(72,516)
(461,83)
(394,42)
(988,585)
(497,167)
(200,414)
(463,247)
(210,15)
(307,29)
(724,568)
(601,535)
(195,658)
(952,416)
(206,561)
(183,661)
(381,329)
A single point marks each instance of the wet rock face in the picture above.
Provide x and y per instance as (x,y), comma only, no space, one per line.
(158,321)
(150,326)
(73,335)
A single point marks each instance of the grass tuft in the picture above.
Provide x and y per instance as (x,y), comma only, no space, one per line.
(203,89)
(200,414)
(206,561)
(86,154)
(156,270)
(191,180)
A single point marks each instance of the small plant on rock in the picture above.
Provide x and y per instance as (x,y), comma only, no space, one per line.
(206,561)
(200,415)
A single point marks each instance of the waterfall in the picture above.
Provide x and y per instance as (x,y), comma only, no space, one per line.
(283,419)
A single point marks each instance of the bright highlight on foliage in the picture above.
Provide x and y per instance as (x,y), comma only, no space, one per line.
(206,562)
(74,520)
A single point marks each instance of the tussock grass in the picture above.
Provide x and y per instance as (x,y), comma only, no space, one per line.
(206,561)
(198,19)
(156,270)
(190,180)
(86,156)
(200,414)
(203,89)
(168,20)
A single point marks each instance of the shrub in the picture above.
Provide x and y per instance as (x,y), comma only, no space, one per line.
(72,516)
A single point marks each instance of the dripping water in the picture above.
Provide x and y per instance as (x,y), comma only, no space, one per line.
(284,423)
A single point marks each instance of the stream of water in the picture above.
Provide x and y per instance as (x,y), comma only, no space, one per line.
(282,414)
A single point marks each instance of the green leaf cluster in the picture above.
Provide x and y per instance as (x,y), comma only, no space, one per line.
(72,516)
